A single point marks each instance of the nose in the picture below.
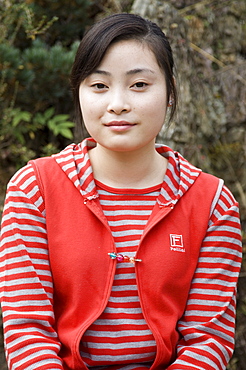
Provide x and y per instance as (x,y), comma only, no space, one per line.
(118,102)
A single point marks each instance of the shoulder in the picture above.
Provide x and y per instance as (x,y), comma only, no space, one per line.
(206,179)
(23,177)
(223,199)
(23,189)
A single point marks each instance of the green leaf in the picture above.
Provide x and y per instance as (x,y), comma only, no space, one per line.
(52,125)
(66,133)
(49,113)
(61,117)
(39,118)
(21,116)
(65,124)
(60,126)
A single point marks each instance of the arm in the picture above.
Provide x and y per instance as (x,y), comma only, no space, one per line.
(208,324)
(26,282)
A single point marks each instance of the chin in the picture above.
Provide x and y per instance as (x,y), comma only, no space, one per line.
(125,148)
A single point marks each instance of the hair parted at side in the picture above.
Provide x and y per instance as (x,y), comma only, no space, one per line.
(114,28)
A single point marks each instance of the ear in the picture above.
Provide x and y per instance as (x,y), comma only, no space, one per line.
(171,96)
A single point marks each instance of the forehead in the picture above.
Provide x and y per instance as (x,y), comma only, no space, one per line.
(129,52)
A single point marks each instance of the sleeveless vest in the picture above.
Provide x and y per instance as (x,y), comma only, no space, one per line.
(79,240)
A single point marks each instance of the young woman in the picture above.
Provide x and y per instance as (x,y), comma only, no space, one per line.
(117,253)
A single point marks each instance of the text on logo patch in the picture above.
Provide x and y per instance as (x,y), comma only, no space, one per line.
(176,243)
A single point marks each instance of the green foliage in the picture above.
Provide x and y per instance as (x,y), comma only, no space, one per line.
(35,81)
(35,98)
(59,124)
(23,125)
(15,16)
(37,77)
(23,134)
(72,19)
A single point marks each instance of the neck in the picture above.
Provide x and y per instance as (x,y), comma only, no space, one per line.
(138,169)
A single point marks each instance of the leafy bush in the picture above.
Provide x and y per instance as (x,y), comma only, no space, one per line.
(35,98)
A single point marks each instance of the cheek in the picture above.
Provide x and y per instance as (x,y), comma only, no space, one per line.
(90,105)
(161,105)
(87,108)
(155,107)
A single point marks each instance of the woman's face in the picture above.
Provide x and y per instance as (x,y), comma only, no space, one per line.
(124,101)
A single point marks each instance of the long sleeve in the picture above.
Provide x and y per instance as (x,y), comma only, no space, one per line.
(208,324)
(26,283)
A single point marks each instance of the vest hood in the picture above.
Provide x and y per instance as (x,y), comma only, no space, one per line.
(75,163)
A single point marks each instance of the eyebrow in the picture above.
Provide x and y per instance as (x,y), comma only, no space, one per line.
(100,72)
(131,72)
(139,70)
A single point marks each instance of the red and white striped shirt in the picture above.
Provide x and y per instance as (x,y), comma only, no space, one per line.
(121,335)
(207,326)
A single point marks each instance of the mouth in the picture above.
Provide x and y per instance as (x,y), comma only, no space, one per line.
(119,124)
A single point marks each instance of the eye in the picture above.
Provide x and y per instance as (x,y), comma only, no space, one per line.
(99,86)
(140,85)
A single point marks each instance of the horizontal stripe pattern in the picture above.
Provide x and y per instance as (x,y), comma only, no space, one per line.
(207,325)
(209,318)
(26,282)
(121,335)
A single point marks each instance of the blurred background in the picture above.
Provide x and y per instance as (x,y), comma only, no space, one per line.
(38,42)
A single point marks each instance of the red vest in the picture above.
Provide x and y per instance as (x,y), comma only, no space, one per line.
(79,240)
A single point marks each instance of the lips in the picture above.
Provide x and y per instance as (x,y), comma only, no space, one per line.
(119,123)
(119,126)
